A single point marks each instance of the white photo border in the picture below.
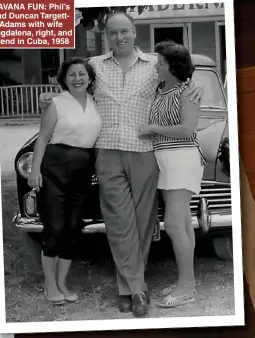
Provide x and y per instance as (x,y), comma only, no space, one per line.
(170,322)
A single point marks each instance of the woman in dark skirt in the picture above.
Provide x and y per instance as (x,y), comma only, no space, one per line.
(61,170)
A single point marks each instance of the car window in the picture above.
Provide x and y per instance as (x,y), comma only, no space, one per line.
(213,96)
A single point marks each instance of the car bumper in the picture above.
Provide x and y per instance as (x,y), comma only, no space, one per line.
(205,223)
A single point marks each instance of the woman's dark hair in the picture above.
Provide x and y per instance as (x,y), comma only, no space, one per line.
(178,59)
(61,77)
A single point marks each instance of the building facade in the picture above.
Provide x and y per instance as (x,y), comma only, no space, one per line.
(200,27)
(39,66)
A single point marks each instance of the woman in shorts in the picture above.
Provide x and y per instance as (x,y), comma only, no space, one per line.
(172,125)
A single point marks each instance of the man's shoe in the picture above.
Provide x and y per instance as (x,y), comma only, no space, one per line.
(125,303)
(140,304)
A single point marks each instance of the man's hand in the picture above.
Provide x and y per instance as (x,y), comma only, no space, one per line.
(196,91)
(45,99)
(146,130)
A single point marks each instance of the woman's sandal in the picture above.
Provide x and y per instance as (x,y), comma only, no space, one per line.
(171,302)
(72,298)
(58,300)
(169,289)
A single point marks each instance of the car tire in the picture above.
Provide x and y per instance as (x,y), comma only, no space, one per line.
(223,247)
(33,248)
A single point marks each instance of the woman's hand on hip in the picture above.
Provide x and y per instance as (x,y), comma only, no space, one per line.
(35,180)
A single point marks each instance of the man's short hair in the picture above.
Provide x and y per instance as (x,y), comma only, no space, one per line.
(109,16)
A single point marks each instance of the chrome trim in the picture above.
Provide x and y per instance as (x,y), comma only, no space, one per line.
(217,220)
(29,153)
(30,194)
(216,196)
(228,190)
(204,183)
(218,206)
(216,183)
(211,195)
(212,202)
(218,109)
(27,224)
(204,217)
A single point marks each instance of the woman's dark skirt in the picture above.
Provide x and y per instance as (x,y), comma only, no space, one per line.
(67,173)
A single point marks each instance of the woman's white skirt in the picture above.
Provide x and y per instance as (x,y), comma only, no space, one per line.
(180,169)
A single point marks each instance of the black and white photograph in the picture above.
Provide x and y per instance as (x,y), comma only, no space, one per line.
(120,188)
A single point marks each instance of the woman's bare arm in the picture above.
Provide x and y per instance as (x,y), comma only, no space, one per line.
(48,122)
(189,120)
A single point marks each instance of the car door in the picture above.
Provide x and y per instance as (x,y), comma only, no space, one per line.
(213,117)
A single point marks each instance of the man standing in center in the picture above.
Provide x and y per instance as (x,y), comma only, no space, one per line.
(126,81)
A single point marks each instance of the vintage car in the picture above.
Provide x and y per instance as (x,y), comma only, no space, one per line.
(211,209)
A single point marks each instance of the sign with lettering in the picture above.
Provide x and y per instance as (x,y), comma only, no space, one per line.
(178,10)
